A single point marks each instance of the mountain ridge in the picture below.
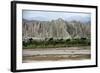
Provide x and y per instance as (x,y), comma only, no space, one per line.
(58,29)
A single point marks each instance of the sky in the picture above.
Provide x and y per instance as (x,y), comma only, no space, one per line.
(51,15)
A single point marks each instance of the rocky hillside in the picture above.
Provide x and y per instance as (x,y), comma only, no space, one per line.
(57,29)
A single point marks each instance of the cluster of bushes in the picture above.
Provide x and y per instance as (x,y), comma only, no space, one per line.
(80,41)
(55,43)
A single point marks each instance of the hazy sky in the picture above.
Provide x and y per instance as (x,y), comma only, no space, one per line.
(51,15)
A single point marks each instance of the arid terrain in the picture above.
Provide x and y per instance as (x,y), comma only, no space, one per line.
(54,54)
(57,36)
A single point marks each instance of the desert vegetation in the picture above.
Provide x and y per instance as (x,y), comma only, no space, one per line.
(55,43)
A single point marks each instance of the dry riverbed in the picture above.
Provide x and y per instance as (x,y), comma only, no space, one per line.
(55,54)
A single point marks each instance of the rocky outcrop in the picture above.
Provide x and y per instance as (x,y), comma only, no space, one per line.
(57,29)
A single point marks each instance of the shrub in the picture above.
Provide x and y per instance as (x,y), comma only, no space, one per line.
(67,40)
(83,38)
(51,39)
(30,40)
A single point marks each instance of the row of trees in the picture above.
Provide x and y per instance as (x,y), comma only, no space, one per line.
(57,42)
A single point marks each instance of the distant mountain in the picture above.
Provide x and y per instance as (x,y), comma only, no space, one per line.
(79,18)
(58,28)
(82,19)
